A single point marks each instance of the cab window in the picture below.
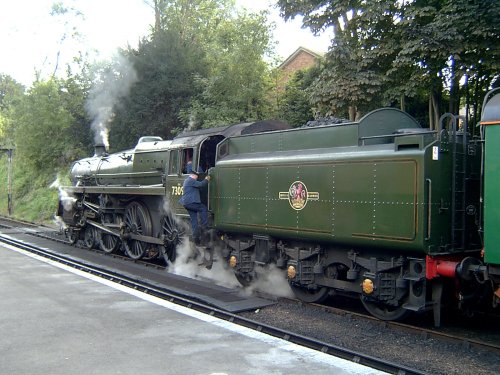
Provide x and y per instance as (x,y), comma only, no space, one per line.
(187,160)
(173,164)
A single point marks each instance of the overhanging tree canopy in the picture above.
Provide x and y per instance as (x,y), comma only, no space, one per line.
(384,51)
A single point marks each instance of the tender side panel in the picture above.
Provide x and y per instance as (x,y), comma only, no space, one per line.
(358,203)
(377,200)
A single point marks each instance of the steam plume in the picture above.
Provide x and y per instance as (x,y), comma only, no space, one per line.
(67,202)
(112,84)
(66,199)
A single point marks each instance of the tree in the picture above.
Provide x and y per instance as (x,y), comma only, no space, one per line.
(78,85)
(295,106)
(202,66)
(385,51)
(448,40)
(11,93)
(43,143)
(165,67)
(237,83)
(353,77)
(196,21)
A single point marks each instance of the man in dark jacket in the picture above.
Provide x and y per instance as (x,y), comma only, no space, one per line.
(191,201)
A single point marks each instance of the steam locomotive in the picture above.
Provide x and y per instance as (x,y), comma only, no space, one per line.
(401,216)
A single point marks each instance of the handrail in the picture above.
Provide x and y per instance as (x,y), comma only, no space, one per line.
(429,208)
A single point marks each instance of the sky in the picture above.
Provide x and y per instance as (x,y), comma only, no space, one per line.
(31,38)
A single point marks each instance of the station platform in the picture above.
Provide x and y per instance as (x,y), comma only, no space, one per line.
(58,320)
(192,284)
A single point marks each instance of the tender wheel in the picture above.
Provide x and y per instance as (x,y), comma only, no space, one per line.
(108,242)
(137,221)
(245,279)
(310,295)
(72,235)
(90,237)
(173,233)
(383,311)
(335,271)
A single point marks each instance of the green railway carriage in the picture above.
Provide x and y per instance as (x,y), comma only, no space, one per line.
(491,125)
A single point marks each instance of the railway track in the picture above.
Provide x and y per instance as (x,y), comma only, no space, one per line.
(173,297)
(427,334)
(424,332)
(10,223)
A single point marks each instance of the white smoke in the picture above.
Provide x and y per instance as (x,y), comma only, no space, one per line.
(270,280)
(66,198)
(67,201)
(191,123)
(189,263)
(58,221)
(112,85)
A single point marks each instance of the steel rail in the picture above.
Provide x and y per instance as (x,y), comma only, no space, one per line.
(423,332)
(35,233)
(179,299)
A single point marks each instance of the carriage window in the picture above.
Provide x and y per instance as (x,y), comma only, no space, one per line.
(173,165)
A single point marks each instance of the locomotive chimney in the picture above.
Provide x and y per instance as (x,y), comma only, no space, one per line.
(100,150)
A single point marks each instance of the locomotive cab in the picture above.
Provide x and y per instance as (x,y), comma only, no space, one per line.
(197,150)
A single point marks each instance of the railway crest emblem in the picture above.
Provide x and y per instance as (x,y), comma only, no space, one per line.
(298,195)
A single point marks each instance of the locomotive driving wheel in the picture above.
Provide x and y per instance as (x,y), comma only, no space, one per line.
(72,235)
(108,242)
(383,311)
(173,234)
(90,237)
(137,221)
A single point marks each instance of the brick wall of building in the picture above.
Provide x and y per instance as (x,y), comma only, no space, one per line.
(300,59)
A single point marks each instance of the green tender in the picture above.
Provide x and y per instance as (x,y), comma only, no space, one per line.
(320,185)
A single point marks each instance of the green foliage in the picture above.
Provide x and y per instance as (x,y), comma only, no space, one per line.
(165,68)
(195,21)
(11,93)
(353,74)
(295,103)
(32,199)
(384,51)
(236,86)
(77,87)
(43,142)
(46,125)
(3,184)
(203,66)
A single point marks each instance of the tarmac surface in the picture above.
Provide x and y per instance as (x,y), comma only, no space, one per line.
(57,320)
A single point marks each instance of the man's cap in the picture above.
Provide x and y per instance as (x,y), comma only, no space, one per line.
(194,172)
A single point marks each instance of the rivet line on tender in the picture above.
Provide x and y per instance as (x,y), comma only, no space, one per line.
(374,197)
(333,201)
